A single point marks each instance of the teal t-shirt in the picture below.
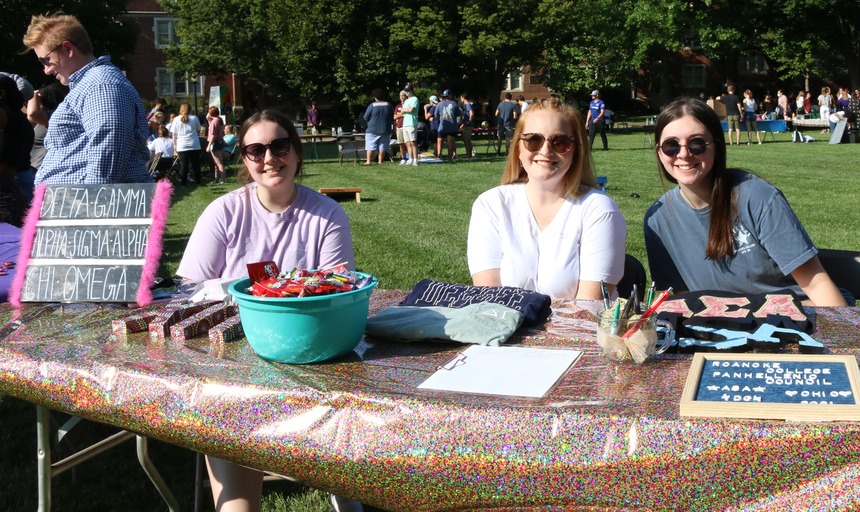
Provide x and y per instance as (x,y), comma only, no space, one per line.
(411,118)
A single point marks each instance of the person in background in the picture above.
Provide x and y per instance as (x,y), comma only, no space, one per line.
(734,113)
(410,124)
(750,117)
(215,140)
(724,229)
(16,176)
(507,114)
(782,110)
(314,121)
(398,128)
(548,228)
(160,105)
(276,219)
(842,99)
(379,116)
(39,111)
(186,143)
(161,148)
(768,108)
(595,120)
(447,112)
(468,123)
(111,150)
(523,104)
(432,123)
(162,144)
(230,141)
(825,99)
(799,105)
(852,111)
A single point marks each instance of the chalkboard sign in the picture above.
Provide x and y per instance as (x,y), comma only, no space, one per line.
(92,243)
(773,386)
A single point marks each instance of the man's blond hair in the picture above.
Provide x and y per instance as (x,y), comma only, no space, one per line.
(50,31)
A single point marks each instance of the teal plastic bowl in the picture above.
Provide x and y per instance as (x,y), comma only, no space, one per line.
(302,330)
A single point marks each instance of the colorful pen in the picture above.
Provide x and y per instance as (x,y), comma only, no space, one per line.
(615,314)
(650,311)
(650,295)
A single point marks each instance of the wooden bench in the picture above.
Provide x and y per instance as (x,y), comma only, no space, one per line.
(342,190)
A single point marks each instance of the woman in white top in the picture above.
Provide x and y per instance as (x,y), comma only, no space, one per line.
(548,228)
(824,101)
(186,142)
(799,103)
(162,144)
(750,118)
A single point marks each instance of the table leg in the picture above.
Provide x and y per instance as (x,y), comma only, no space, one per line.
(154,475)
(43,456)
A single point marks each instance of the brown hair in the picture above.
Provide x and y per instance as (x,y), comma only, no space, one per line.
(579,178)
(52,30)
(278,117)
(214,112)
(723,209)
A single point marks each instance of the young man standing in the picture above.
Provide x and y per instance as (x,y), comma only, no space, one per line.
(507,114)
(734,112)
(448,112)
(595,120)
(98,134)
(410,123)
(379,115)
(468,122)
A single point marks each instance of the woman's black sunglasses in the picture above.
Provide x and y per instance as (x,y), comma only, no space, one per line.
(561,144)
(257,152)
(696,146)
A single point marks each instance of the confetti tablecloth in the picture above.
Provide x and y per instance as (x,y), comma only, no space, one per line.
(607,436)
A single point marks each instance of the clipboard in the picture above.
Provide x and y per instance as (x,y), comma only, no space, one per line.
(506,371)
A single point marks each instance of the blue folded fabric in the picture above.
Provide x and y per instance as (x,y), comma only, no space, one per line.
(535,307)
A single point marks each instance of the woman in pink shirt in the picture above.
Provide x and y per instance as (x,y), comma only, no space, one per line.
(272,218)
(216,143)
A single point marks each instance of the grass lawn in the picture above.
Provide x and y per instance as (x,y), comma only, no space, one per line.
(412,224)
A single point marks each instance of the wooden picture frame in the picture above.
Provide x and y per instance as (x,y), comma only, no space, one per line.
(804,387)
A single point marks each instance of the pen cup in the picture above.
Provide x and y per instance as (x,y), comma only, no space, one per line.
(639,346)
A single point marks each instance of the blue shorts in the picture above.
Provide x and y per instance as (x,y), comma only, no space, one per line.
(749,116)
(375,141)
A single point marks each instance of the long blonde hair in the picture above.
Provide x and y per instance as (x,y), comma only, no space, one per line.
(184,108)
(579,178)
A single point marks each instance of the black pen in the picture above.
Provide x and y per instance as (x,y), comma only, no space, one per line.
(636,307)
(628,309)
(604,291)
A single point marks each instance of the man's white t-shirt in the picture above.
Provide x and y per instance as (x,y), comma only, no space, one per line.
(585,241)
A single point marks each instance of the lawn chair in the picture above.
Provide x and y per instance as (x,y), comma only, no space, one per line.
(164,167)
(347,145)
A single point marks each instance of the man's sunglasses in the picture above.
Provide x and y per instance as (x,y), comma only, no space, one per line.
(696,146)
(44,61)
(257,152)
(533,142)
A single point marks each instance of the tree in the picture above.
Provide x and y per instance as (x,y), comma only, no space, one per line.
(110,32)
(594,52)
(814,37)
(497,38)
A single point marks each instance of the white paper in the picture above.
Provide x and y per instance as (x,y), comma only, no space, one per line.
(509,371)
